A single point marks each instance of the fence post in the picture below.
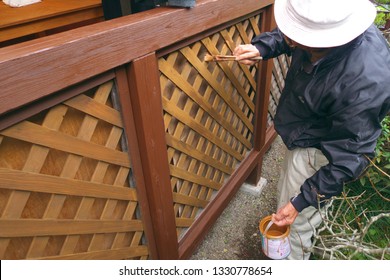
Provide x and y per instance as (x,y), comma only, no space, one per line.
(147,107)
(262,100)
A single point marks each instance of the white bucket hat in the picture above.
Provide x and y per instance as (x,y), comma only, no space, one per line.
(323,23)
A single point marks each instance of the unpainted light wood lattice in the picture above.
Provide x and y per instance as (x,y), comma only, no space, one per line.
(66,188)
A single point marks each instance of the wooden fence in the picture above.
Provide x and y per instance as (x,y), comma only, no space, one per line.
(117,141)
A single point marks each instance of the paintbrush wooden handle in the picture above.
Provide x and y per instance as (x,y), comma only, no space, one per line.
(256,58)
(220,57)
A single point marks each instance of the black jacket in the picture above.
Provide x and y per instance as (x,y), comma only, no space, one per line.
(335,105)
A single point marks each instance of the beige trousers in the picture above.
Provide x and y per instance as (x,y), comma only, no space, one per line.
(300,164)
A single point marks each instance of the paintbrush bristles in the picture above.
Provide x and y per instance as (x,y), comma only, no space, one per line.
(208,58)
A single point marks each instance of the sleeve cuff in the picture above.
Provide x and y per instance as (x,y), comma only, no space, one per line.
(263,50)
(299,202)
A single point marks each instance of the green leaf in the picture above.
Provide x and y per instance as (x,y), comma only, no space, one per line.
(372,231)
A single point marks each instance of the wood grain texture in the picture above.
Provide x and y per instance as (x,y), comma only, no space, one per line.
(32,227)
(33,182)
(30,132)
(140,252)
(64,197)
(146,99)
(62,57)
(46,15)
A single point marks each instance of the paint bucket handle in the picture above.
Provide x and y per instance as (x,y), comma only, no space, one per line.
(270,223)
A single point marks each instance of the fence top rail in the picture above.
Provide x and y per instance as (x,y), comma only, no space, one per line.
(38,68)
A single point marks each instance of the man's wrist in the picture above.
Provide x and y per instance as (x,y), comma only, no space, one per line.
(299,202)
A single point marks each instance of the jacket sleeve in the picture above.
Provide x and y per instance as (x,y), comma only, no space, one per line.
(271,44)
(355,128)
(329,180)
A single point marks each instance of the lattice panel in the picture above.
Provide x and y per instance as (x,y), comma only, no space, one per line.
(66,188)
(208,115)
(279,73)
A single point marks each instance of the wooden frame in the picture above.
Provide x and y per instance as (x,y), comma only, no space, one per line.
(39,74)
(67,52)
(43,16)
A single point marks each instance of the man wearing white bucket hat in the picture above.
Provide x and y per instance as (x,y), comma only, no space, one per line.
(336,93)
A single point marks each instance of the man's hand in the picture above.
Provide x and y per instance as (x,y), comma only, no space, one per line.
(245,52)
(285,215)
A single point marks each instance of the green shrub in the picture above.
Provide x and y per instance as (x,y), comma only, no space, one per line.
(382,13)
(357,224)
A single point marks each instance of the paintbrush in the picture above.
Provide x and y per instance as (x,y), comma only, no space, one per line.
(220,57)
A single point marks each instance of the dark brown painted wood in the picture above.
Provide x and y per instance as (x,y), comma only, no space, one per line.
(262,100)
(145,92)
(44,103)
(64,59)
(135,157)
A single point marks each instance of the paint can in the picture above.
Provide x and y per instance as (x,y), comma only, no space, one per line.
(276,240)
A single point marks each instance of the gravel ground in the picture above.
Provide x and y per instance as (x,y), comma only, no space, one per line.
(235,235)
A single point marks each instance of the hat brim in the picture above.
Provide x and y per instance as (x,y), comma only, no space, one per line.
(320,37)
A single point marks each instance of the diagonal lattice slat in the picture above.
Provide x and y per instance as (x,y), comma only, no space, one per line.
(65,184)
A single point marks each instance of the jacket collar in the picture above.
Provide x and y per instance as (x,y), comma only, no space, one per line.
(336,54)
